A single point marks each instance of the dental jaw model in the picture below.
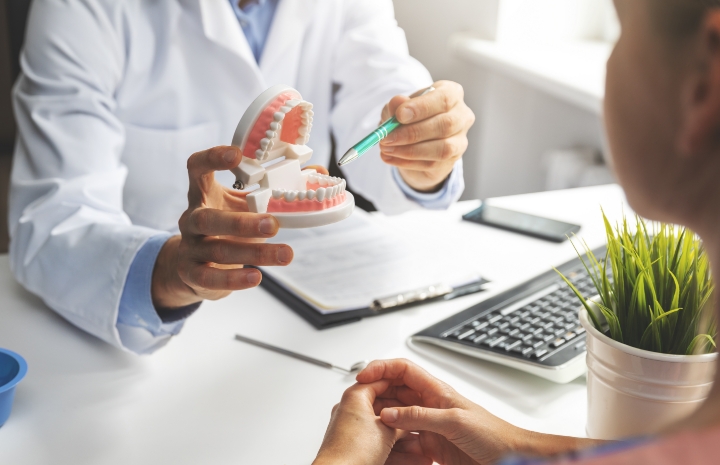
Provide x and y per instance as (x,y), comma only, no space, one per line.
(272,135)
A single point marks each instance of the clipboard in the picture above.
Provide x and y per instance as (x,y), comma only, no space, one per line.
(330,320)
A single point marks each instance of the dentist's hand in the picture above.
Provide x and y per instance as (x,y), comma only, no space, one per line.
(218,236)
(433,136)
(452,429)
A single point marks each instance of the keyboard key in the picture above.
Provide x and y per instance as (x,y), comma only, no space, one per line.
(538,344)
(534,321)
(540,353)
(514,332)
(497,341)
(466,334)
(523,314)
(548,337)
(525,336)
(494,317)
(503,324)
(526,350)
(559,331)
(512,343)
(514,318)
(536,330)
(558,342)
(525,327)
(491,331)
(570,326)
(479,338)
(569,336)
(454,334)
(518,349)
(547,326)
(579,330)
(507,330)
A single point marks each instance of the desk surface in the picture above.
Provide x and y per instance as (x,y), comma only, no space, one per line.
(571,71)
(206,398)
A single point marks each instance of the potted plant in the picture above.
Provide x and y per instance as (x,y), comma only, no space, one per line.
(650,329)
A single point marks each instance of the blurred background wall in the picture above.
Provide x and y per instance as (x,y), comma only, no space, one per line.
(526,138)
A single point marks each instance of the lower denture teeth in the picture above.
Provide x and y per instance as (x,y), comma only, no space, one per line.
(320,194)
(301,195)
(310,194)
(277,193)
(291,195)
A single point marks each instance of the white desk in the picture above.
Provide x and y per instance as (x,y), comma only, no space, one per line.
(206,398)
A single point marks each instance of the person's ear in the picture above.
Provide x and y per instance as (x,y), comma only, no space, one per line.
(700,130)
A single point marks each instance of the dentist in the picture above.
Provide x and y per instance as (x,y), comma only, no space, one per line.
(111,223)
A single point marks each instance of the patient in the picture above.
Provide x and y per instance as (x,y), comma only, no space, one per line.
(662,111)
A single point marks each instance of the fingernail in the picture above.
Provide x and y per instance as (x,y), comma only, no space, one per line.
(285,255)
(253,278)
(390,138)
(406,114)
(267,226)
(388,149)
(390,415)
(229,155)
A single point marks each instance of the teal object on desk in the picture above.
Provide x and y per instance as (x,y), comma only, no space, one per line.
(12,370)
(374,138)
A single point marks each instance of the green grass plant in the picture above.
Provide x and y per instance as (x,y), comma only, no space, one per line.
(660,295)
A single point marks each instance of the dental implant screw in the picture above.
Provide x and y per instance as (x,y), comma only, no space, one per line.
(238,185)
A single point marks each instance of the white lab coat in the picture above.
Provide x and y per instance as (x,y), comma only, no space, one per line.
(116,94)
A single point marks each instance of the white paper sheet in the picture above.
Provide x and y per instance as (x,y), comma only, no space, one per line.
(345,266)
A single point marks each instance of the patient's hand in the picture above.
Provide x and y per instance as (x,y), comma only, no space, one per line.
(452,429)
(355,435)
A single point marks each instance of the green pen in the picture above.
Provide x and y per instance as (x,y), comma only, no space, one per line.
(374,137)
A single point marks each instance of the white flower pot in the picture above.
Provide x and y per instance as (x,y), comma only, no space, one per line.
(634,392)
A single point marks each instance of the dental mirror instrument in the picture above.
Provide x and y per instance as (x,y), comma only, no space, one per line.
(374,137)
(357,367)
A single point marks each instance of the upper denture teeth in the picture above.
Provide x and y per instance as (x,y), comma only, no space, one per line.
(270,134)
(302,140)
(260,154)
(264,143)
(278,116)
(275,126)
(320,194)
(292,103)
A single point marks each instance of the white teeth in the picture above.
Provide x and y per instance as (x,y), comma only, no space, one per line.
(292,103)
(260,154)
(285,109)
(303,130)
(336,189)
(310,113)
(264,144)
(278,193)
(301,195)
(302,140)
(291,195)
(343,185)
(275,126)
(310,194)
(269,134)
(320,194)
(279,116)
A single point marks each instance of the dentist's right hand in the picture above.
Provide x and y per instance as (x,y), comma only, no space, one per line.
(218,235)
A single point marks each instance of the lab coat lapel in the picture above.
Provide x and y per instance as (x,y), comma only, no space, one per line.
(281,56)
(222,27)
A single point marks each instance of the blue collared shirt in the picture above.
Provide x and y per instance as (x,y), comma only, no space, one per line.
(141,329)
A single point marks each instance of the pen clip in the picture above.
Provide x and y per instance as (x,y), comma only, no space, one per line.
(405,298)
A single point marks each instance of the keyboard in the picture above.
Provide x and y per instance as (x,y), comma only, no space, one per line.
(533,327)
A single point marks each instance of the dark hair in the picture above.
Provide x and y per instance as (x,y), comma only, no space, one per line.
(680,19)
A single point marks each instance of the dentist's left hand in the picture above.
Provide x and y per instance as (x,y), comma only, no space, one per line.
(217,237)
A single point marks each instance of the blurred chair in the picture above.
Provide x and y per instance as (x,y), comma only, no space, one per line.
(13,17)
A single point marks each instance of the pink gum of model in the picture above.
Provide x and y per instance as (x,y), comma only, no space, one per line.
(277,126)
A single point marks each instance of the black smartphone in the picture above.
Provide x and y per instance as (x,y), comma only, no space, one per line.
(523,223)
